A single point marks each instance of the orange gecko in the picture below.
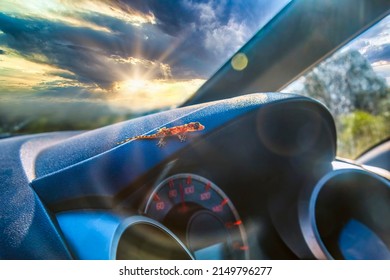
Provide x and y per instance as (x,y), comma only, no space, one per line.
(180,131)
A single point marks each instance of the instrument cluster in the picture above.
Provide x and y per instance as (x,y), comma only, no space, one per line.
(201,215)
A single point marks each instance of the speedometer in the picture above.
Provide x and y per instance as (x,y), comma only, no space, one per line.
(201,215)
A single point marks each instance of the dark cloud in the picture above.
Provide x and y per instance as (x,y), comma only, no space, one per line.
(64,75)
(88,53)
(367,42)
(175,16)
(378,53)
(172,16)
(84,52)
(193,37)
(2,52)
(210,30)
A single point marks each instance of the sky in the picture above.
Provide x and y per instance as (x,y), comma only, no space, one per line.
(136,54)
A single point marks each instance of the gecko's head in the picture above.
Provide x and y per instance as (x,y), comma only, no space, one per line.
(195,126)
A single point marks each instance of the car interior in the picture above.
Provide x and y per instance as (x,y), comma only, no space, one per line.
(241,170)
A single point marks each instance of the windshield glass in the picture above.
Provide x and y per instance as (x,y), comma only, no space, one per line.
(83,64)
(354,83)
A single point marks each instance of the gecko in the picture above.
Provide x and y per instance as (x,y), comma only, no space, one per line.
(180,131)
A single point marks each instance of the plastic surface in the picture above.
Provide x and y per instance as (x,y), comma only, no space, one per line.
(89,234)
(40,172)
(87,166)
(92,143)
(27,230)
(97,235)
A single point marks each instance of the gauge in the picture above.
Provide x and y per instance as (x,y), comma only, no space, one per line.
(201,215)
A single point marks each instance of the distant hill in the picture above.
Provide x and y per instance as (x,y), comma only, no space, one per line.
(33,113)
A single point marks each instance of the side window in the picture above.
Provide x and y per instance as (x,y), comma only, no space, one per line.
(354,83)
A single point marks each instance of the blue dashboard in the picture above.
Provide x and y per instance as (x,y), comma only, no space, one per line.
(261,181)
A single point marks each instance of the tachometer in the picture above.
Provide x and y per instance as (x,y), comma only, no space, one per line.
(201,215)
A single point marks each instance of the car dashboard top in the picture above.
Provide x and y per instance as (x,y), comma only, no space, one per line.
(259,180)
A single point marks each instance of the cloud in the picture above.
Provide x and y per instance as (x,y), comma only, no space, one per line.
(20,75)
(379,53)
(204,33)
(211,30)
(102,43)
(374,44)
(2,52)
(73,12)
(84,52)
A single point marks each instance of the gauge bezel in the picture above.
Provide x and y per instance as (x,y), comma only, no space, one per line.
(134,220)
(307,211)
(213,186)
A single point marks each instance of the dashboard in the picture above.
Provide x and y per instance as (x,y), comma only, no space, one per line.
(260,181)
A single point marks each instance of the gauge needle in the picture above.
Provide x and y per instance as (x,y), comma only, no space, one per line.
(219,207)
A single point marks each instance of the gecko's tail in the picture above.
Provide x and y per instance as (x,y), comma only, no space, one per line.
(135,138)
(124,141)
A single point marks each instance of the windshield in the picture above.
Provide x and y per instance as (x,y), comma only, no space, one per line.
(354,83)
(83,64)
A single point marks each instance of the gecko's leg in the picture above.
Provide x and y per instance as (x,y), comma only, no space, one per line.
(161,142)
(182,137)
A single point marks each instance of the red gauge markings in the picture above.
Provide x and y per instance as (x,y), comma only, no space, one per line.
(156,197)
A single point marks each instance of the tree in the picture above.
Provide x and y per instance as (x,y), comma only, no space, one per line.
(346,82)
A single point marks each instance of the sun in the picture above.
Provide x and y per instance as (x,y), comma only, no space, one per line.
(135,85)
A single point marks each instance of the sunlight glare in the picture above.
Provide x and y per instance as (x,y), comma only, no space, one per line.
(134,85)
(144,95)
